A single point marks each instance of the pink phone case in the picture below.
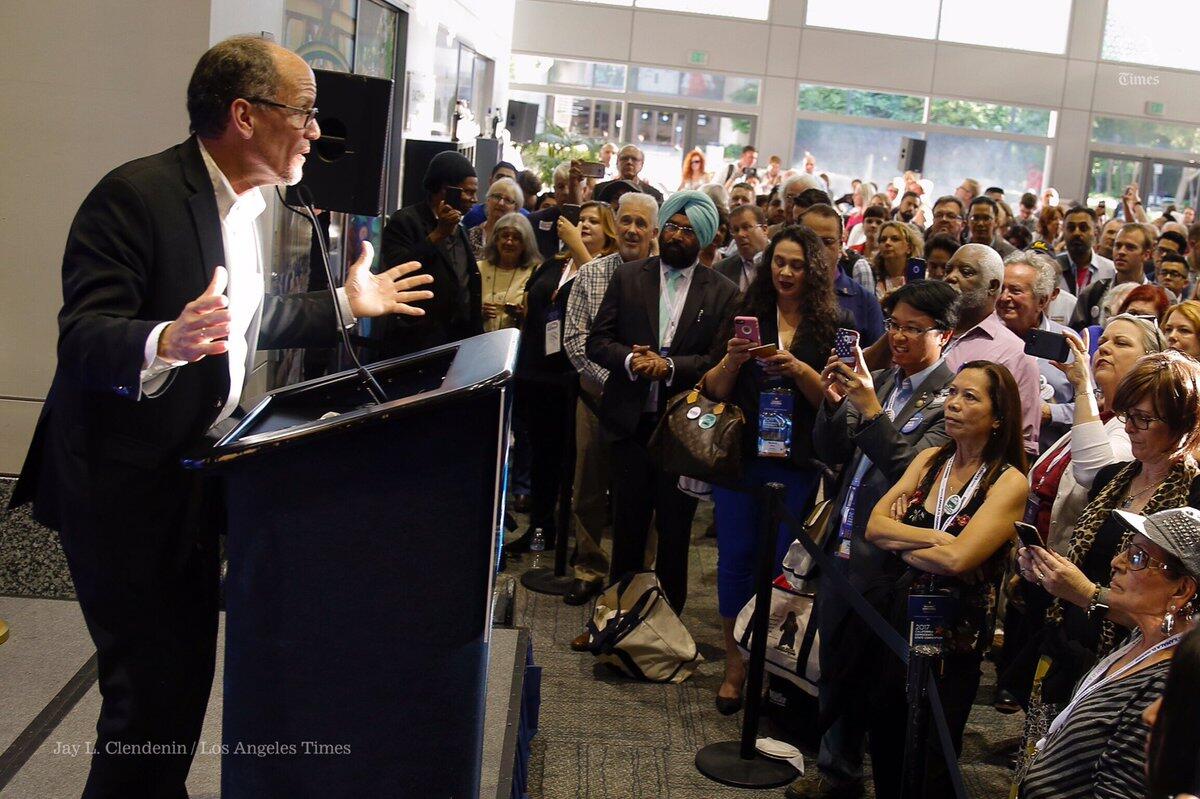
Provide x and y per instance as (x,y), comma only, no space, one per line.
(747,327)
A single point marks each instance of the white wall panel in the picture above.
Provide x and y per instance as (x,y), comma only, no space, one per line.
(902,64)
(998,75)
(732,45)
(1071,167)
(788,12)
(1087,28)
(1078,85)
(777,125)
(1122,89)
(783,51)
(594,32)
(17,420)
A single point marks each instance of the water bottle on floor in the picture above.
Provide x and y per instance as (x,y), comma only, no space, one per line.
(537,546)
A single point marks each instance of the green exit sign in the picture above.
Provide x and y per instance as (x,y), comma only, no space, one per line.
(1155,109)
(698,57)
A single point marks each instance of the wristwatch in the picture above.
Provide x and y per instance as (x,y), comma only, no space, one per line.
(1098,606)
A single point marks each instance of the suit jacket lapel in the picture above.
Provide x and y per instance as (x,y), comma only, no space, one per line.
(692,303)
(650,290)
(203,205)
(921,398)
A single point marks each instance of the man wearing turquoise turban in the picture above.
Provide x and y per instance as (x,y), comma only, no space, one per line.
(655,332)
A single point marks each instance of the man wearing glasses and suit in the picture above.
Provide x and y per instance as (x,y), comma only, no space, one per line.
(163,310)
(872,425)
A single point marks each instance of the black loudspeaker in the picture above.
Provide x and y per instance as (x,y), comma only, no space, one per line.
(521,121)
(912,155)
(344,170)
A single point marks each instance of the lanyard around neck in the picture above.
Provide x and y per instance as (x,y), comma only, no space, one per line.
(966,495)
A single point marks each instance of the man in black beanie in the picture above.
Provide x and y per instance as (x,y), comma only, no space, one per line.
(430,231)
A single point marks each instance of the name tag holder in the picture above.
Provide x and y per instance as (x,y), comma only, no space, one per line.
(553,331)
(775,407)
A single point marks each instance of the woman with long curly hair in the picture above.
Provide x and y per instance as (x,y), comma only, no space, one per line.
(792,298)
(694,175)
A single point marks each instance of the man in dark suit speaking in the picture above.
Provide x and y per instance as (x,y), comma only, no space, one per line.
(163,309)
(654,334)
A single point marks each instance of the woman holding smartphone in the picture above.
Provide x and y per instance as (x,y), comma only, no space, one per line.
(1061,479)
(949,524)
(791,314)
(898,242)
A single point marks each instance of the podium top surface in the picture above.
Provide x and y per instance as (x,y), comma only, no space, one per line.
(336,403)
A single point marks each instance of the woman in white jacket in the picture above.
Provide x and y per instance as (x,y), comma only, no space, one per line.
(1061,478)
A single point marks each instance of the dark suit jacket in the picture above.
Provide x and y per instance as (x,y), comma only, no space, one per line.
(628,315)
(144,243)
(731,268)
(1087,304)
(447,318)
(841,439)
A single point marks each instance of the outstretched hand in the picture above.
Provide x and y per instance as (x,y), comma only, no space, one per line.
(387,293)
(202,327)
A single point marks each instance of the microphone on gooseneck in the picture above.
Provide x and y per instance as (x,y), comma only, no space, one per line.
(368,380)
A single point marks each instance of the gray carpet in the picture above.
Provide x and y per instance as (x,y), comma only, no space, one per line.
(602,736)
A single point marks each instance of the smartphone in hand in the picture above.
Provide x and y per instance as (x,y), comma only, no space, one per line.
(571,213)
(914,269)
(844,343)
(747,327)
(453,197)
(1047,345)
(1029,535)
(592,169)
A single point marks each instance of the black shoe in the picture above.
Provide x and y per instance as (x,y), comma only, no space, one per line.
(1006,703)
(727,706)
(582,591)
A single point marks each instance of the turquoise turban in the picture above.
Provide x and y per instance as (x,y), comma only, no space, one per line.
(700,210)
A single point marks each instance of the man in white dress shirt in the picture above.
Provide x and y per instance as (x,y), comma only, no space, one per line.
(163,309)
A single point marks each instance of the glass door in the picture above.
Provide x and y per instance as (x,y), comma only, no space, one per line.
(1109,176)
(1171,183)
(661,133)
(665,134)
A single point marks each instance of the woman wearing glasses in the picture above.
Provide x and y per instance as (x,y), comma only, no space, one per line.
(1060,481)
(1097,745)
(504,197)
(1159,404)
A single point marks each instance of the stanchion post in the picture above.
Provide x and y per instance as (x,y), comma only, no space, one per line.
(738,763)
(921,663)
(556,581)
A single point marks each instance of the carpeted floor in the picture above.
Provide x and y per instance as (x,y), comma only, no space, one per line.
(602,736)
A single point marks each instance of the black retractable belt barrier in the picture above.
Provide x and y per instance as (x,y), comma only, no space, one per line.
(738,763)
(923,673)
(556,581)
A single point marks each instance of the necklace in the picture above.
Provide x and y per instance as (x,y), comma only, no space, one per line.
(512,275)
(1133,497)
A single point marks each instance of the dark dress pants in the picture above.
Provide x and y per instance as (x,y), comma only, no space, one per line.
(146,570)
(886,724)
(640,490)
(543,407)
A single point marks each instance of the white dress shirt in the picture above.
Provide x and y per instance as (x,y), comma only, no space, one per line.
(243,263)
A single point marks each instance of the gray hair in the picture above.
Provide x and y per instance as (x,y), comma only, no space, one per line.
(804,178)
(562,171)
(513,189)
(983,258)
(1152,337)
(642,202)
(1046,269)
(1113,299)
(239,67)
(517,221)
(716,192)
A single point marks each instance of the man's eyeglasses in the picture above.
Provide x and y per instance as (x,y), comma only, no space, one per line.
(670,228)
(309,113)
(1140,420)
(1141,559)
(908,331)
